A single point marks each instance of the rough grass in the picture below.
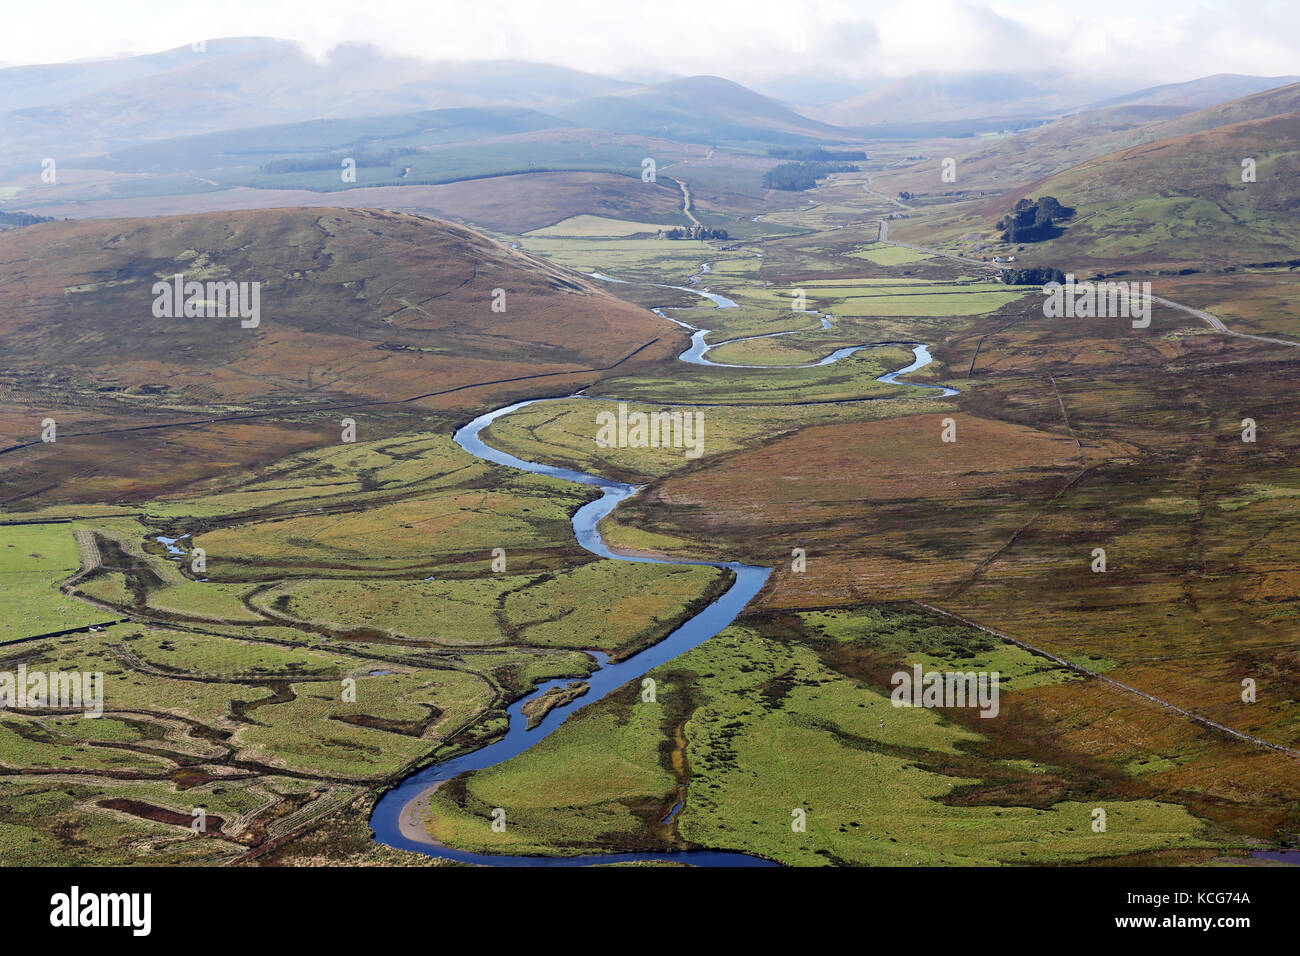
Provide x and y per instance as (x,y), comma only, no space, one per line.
(769,728)
(34,559)
(883,254)
(595,227)
(849,379)
(607,605)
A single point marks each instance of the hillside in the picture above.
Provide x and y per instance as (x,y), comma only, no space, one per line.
(1199,93)
(1271,102)
(1181,201)
(939,96)
(356,307)
(1014,161)
(704,109)
(1175,204)
(1011,160)
(342,293)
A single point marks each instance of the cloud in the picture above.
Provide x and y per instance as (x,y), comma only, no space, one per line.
(951,35)
(1160,41)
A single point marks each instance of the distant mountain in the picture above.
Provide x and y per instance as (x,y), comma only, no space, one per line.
(84,109)
(1012,161)
(257,145)
(983,95)
(229,105)
(1194,94)
(808,92)
(126,105)
(23,87)
(698,109)
(950,96)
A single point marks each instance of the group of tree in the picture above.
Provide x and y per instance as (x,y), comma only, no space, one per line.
(19,219)
(1039,275)
(817,154)
(307,164)
(1033,220)
(693,232)
(797,176)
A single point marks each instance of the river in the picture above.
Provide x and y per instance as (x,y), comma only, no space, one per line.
(397,817)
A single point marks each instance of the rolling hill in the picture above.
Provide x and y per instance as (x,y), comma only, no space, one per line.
(1015,161)
(283,98)
(945,97)
(1009,161)
(25,87)
(700,109)
(1177,202)
(109,105)
(344,293)
(1262,105)
(1199,93)
(254,146)
(359,309)
(1182,200)
(948,96)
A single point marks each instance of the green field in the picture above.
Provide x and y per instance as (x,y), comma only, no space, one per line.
(315,647)
(850,379)
(607,605)
(34,560)
(768,728)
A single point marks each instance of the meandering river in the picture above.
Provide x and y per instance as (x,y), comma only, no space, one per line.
(398,816)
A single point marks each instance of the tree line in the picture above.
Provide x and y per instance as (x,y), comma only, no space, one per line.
(797,176)
(1040,275)
(308,164)
(20,219)
(693,232)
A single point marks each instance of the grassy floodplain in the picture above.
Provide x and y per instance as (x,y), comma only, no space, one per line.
(767,721)
(305,665)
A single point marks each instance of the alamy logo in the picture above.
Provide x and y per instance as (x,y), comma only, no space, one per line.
(208,300)
(74,908)
(651,430)
(24,689)
(1099,300)
(951,689)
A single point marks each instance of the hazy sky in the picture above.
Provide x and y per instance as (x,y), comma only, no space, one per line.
(746,40)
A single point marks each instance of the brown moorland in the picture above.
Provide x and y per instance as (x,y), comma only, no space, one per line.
(359,309)
(1080,434)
